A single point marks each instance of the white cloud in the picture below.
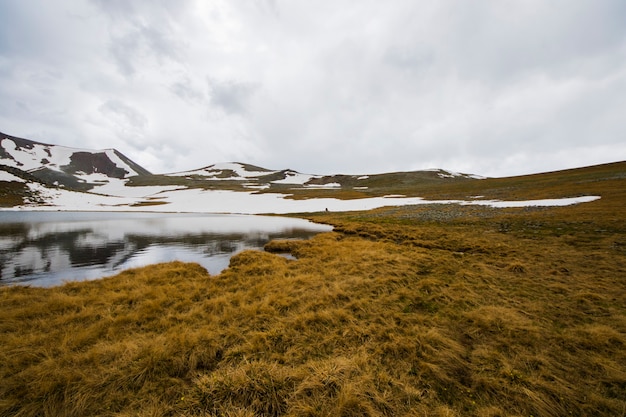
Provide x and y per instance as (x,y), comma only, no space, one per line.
(492,88)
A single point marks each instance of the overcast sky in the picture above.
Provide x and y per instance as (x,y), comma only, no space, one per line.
(496,88)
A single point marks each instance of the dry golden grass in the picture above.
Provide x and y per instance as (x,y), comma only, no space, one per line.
(427,311)
(12,193)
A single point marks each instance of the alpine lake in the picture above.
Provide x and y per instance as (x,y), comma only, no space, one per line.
(48,248)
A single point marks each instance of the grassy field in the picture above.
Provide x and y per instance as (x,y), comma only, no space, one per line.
(412,311)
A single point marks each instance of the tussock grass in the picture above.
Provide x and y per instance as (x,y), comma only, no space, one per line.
(13,193)
(283,246)
(478,312)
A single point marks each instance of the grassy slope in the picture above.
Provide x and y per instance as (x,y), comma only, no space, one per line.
(428,310)
(13,193)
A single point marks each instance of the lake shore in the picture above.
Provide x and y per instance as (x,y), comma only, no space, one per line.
(236,202)
(47,248)
(398,311)
(444,310)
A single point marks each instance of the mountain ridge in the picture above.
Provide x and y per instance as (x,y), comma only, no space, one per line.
(73,168)
(65,166)
(36,175)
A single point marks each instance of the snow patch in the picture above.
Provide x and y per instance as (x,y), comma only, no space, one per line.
(223,201)
(549,202)
(293,177)
(8,177)
(205,172)
(256,186)
(117,187)
(28,159)
(442,173)
(446,174)
(118,161)
(329,185)
(450,174)
(51,156)
(239,169)
(214,171)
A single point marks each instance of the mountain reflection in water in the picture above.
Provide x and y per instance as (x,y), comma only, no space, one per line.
(48,248)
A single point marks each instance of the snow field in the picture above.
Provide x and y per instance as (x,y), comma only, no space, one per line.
(224,201)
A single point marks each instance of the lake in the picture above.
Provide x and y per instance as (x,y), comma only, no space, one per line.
(48,248)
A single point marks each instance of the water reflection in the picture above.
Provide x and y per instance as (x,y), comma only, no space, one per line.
(47,248)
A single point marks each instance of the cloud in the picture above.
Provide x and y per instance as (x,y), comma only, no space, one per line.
(127,123)
(184,90)
(493,88)
(231,96)
(125,114)
(139,31)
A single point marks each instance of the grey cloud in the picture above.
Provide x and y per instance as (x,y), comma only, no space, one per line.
(415,58)
(267,6)
(9,33)
(139,41)
(124,113)
(124,50)
(186,91)
(139,30)
(488,87)
(497,42)
(161,42)
(231,96)
(124,8)
(118,9)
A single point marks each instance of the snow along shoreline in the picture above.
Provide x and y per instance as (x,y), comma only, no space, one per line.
(237,202)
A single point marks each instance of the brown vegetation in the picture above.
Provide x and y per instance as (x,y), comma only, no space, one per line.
(149,202)
(12,193)
(428,311)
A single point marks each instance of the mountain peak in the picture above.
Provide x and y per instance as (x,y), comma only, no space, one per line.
(44,174)
(63,166)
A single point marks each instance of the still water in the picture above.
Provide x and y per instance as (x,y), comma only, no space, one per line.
(48,248)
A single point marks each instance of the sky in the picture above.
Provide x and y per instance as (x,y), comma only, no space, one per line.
(487,87)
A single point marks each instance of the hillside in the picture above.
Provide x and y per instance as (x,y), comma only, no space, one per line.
(76,169)
(429,310)
(40,176)
(44,176)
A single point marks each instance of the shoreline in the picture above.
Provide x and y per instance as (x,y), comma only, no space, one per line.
(316,205)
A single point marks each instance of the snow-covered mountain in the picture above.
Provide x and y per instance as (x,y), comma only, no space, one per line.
(250,176)
(45,176)
(70,168)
